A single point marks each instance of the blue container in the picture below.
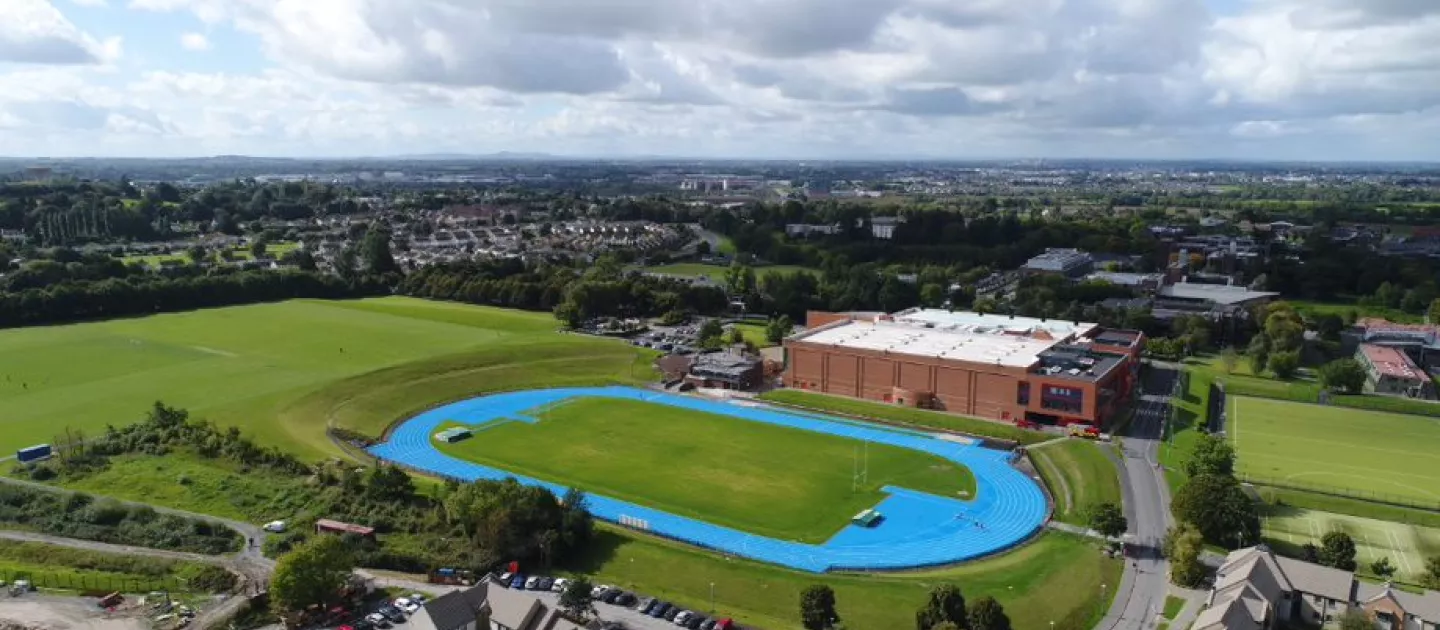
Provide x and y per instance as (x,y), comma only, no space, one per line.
(33,453)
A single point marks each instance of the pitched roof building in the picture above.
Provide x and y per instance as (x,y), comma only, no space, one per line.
(488,606)
(1258,590)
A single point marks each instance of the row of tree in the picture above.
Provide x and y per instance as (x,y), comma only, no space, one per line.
(945,609)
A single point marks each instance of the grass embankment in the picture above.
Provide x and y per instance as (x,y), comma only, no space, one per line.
(762,478)
(280,371)
(904,415)
(1056,578)
(207,486)
(1079,475)
(1173,606)
(1362,454)
(52,566)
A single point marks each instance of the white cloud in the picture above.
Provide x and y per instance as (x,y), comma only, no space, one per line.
(195,42)
(34,31)
(1162,78)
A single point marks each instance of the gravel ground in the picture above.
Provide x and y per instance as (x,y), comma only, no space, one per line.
(44,612)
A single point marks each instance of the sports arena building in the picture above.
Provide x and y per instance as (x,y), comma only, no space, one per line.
(993,366)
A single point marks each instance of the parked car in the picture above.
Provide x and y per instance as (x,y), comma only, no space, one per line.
(504,579)
(695,621)
(544,584)
(709,624)
(363,624)
(532,583)
(683,617)
(599,590)
(393,614)
(404,603)
(671,614)
(658,610)
(275,527)
(559,585)
(626,599)
(518,581)
(611,596)
(643,607)
(418,598)
(378,619)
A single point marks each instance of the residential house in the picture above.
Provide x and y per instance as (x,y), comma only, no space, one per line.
(1258,590)
(488,606)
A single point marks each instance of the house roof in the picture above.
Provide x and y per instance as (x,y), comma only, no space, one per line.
(456,608)
(1241,609)
(1318,580)
(1217,293)
(1425,605)
(514,609)
(1391,362)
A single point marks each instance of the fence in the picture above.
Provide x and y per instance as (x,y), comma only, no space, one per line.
(1344,493)
(84,583)
(1215,411)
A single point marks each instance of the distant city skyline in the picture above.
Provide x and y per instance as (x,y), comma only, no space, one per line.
(1252,80)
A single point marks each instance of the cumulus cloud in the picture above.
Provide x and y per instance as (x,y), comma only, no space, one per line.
(34,31)
(784,77)
(194,42)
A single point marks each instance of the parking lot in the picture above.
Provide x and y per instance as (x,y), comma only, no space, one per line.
(627,615)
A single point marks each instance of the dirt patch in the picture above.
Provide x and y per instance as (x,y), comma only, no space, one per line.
(39,612)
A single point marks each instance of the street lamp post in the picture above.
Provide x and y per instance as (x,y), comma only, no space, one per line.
(712,598)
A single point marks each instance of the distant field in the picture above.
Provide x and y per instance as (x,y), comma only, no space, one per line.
(283,371)
(1369,454)
(275,250)
(762,478)
(754,333)
(1407,546)
(1078,475)
(1343,309)
(717,272)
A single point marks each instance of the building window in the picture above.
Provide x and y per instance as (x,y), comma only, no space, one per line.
(1022,393)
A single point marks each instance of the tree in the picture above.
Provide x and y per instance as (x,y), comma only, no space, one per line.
(1182,547)
(1382,568)
(817,607)
(1309,552)
(1344,375)
(1212,455)
(712,334)
(946,604)
(1285,363)
(1355,619)
(703,248)
(576,599)
(737,336)
(1431,578)
(987,614)
(1337,550)
(1259,353)
(1107,519)
(778,329)
(313,573)
(197,253)
(1432,314)
(257,249)
(1329,326)
(1219,509)
(375,251)
(1229,359)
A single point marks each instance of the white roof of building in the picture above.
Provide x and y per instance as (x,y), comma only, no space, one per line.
(1218,293)
(989,339)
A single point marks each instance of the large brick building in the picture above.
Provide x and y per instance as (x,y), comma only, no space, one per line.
(992,366)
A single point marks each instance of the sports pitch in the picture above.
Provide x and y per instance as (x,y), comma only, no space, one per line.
(282,371)
(762,478)
(1406,546)
(1366,454)
(796,454)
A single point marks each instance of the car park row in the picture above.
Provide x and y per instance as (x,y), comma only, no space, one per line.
(606,594)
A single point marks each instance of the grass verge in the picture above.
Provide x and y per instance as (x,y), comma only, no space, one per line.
(1079,475)
(1056,578)
(903,415)
(1173,606)
(53,566)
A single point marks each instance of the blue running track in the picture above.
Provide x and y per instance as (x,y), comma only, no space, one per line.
(918,529)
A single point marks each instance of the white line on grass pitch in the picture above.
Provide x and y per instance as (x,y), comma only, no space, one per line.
(1404,556)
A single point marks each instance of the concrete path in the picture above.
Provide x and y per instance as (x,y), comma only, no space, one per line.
(1194,601)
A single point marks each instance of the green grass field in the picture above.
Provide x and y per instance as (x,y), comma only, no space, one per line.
(283,371)
(1407,546)
(184,480)
(1056,579)
(1365,453)
(754,333)
(903,415)
(55,567)
(275,250)
(771,480)
(717,273)
(1079,475)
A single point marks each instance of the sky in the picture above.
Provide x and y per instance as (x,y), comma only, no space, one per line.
(789,79)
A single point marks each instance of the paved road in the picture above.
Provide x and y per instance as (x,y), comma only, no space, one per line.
(1142,590)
